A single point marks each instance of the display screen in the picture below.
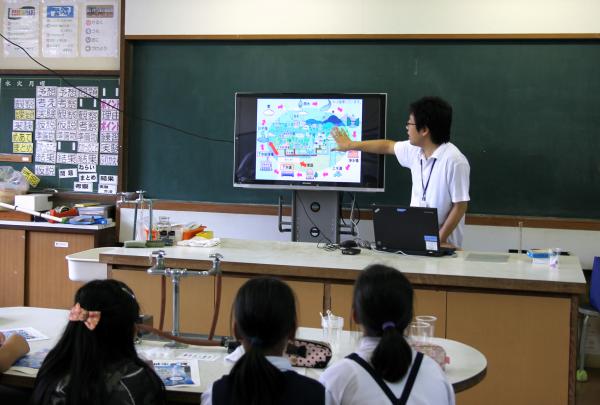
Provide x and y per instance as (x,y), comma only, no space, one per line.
(284,141)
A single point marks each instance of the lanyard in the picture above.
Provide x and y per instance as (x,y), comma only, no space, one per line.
(425,186)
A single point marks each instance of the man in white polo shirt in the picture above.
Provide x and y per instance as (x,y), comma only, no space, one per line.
(440,172)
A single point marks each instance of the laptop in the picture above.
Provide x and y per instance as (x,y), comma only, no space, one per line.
(409,230)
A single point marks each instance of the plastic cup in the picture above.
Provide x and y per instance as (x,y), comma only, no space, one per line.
(553,257)
(332,330)
(430,319)
(419,332)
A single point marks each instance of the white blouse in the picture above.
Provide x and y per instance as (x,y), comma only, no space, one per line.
(349,383)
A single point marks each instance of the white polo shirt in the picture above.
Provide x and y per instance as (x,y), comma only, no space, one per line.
(441,180)
(350,384)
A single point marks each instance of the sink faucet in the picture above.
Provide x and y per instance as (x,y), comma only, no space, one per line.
(159,263)
(129,197)
(159,268)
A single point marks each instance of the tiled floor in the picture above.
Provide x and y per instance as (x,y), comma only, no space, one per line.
(588,393)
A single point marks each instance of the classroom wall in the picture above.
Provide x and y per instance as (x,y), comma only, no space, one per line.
(285,17)
(228,17)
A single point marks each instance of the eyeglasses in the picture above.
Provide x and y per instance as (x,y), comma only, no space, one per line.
(411,123)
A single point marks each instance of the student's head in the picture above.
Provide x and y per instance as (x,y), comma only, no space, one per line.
(264,319)
(100,333)
(383,306)
(118,312)
(434,114)
(265,313)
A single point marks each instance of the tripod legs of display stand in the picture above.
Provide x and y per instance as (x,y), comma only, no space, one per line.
(316,217)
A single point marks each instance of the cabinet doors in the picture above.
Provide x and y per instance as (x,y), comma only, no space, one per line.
(525,340)
(197,300)
(48,274)
(426,302)
(12,268)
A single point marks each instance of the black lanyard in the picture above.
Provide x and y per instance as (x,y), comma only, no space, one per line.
(425,186)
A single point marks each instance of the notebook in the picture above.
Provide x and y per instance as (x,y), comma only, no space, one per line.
(409,230)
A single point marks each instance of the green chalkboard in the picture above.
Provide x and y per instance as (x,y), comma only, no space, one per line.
(72,139)
(526,113)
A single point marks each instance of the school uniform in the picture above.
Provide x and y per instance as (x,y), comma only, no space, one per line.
(126,382)
(298,389)
(437,181)
(349,383)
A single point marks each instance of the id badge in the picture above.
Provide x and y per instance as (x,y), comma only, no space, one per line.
(423,203)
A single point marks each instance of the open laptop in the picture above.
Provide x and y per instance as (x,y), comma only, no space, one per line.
(409,230)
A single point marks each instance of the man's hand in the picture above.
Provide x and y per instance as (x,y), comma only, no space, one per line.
(340,136)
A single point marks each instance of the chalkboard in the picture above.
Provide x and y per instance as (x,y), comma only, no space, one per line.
(526,113)
(70,138)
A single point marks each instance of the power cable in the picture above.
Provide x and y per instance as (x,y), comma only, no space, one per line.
(136,117)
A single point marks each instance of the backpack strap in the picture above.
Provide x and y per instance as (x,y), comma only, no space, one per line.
(382,384)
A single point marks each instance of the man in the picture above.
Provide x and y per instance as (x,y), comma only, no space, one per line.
(440,172)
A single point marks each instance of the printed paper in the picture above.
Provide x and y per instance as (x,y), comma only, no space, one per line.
(177,372)
(28,333)
(21,22)
(59,30)
(100,30)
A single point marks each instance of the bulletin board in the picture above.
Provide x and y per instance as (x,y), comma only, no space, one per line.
(62,133)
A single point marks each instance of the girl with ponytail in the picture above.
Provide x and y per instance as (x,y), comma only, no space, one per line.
(385,369)
(264,320)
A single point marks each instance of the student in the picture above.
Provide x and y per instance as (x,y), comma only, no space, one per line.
(440,172)
(379,372)
(95,361)
(11,349)
(264,320)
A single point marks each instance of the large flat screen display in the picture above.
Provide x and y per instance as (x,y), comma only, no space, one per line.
(284,141)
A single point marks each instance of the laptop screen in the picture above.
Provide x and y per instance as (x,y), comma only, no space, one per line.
(411,230)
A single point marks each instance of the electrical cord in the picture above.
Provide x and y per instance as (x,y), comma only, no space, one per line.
(136,117)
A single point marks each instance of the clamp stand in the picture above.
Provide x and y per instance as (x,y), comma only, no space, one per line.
(176,274)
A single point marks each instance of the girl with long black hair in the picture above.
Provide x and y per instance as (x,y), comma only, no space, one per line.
(385,369)
(264,320)
(95,361)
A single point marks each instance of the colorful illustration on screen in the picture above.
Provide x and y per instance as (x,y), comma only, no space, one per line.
(293,140)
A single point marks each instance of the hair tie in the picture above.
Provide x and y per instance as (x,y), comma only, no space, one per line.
(388,325)
(89,318)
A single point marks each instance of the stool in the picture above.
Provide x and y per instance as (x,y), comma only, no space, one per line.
(587,312)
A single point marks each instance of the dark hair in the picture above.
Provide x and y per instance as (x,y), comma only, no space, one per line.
(383,295)
(84,354)
(265,315)
(435,114)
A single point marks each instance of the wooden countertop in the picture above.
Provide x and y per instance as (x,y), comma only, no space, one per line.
(47,226)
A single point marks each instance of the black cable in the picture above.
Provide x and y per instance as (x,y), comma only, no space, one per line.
(357,210)
(158,123)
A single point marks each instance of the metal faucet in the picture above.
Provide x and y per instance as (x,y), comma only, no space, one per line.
(129,197)
(158,268)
